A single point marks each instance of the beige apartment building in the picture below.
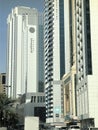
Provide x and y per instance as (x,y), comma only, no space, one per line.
(69,79)
(2,83)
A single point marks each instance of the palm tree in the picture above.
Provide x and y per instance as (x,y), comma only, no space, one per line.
(7,112)
(3,101)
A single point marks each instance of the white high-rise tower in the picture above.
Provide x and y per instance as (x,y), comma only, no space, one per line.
(54,52)
(22,51)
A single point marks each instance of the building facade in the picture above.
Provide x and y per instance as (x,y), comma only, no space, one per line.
(87,63)
(22,51)
(41,55)
(36,106)
(3,89)
(69,78)
(81,73)
(54,57)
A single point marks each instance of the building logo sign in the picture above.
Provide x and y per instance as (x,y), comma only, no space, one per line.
(32,30)
(32,39)
(31,45)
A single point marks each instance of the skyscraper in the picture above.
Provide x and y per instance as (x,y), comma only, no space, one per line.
(87,63)
(54,57)
(22,51)
(80,79)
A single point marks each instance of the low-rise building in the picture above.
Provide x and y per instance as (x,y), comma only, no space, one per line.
(34,107)
(2,83)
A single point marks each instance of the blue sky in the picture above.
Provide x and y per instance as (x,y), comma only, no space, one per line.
(5,8)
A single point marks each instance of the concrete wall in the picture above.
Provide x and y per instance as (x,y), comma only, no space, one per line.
(31,123)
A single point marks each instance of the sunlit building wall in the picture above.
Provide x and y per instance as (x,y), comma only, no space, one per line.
(69,78)
(22,51)
(87,63)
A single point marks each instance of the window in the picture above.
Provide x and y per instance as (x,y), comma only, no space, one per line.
(3,79)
